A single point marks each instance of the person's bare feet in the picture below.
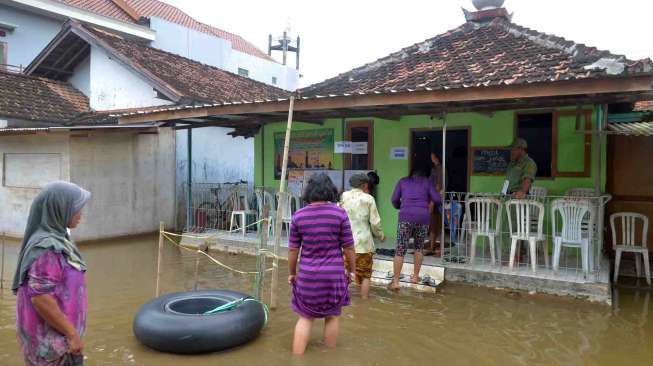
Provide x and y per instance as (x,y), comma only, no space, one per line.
(414,279)
(394,286)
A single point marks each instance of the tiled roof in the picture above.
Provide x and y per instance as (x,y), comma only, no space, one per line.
(493,53)
(155,8)
(39,99)
(189,79)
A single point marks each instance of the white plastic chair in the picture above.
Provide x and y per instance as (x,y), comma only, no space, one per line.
(629,242)
(484,220)
(240,211)
(572,214)
(519,223)
(581,192)
(538,193)
(294,204)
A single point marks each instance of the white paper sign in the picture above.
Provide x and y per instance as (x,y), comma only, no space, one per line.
(359,148)
(398,153)
(342,147)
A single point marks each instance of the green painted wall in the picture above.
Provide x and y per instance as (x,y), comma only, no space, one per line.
(496,129)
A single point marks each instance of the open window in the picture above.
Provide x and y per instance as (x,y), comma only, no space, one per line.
(537,129)
(361,134)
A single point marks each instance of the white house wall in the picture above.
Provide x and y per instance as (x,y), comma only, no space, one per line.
(263,70)
(32,34)
(81,78)
(17,198)
(131,177)
(218,52)
(114,86)
(217,157)
(186,42)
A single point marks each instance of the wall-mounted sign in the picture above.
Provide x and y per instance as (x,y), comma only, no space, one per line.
(342,147)
(309,149)
(398,153)
(359,148)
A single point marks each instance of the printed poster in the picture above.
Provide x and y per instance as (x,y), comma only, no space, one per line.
(309,149)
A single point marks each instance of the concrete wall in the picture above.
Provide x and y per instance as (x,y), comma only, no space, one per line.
(218,52)
(110,85)
(15,201)
(131,177)
(32,34)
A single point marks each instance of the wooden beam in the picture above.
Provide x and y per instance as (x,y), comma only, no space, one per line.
(476,94)
(127,9)
(84,47)
(54,69)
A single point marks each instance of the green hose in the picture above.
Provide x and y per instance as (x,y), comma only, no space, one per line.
(234,304)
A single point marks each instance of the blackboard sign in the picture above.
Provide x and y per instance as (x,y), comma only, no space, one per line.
(490,160)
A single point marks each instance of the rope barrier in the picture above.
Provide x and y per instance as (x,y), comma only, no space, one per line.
(261,253)
(214,260)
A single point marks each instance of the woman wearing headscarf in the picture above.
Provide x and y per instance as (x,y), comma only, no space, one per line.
(50,282)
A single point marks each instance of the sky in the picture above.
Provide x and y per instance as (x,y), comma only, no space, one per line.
(339,35)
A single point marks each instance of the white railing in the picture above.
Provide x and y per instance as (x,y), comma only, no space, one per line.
(466,219)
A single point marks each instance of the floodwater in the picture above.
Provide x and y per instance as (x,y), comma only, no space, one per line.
(460,325)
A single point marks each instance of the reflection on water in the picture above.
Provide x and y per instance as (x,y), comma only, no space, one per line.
(461,325)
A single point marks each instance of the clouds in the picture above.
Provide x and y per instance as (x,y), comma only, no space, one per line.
(339,35)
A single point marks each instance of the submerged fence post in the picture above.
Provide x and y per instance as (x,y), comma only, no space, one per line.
(261,255)
(204,247)
(158,257)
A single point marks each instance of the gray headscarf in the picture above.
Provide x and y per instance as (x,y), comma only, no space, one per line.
(47,227)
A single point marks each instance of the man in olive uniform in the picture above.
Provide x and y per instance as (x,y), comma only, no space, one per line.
(521,170)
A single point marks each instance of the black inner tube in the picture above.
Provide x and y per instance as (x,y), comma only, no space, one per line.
(195,305)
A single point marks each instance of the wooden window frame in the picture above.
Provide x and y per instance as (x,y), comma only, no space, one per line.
(556,115)
(587,152)
(370,141)
(554,136)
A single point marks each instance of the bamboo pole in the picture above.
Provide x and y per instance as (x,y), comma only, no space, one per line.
(158,258)
(2,266)
(281,207)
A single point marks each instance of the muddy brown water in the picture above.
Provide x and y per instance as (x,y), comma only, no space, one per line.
(460,325)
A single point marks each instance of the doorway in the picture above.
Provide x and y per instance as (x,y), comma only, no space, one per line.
(424,142)
(630,178)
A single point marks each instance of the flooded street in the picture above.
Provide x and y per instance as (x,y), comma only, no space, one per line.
(461,325)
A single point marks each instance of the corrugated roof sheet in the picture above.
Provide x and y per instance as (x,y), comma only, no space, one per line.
(631,128)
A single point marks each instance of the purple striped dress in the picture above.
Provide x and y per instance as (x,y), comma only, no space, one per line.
(321,231)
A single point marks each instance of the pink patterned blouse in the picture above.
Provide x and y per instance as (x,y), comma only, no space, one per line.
(41,344)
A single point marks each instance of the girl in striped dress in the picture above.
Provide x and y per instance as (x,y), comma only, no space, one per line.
(319,234)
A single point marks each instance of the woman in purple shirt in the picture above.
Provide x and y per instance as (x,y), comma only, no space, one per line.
(320,234)
(412,197)
(50,281)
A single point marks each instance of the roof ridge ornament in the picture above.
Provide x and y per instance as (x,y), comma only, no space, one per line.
(486,11)
(481,5)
